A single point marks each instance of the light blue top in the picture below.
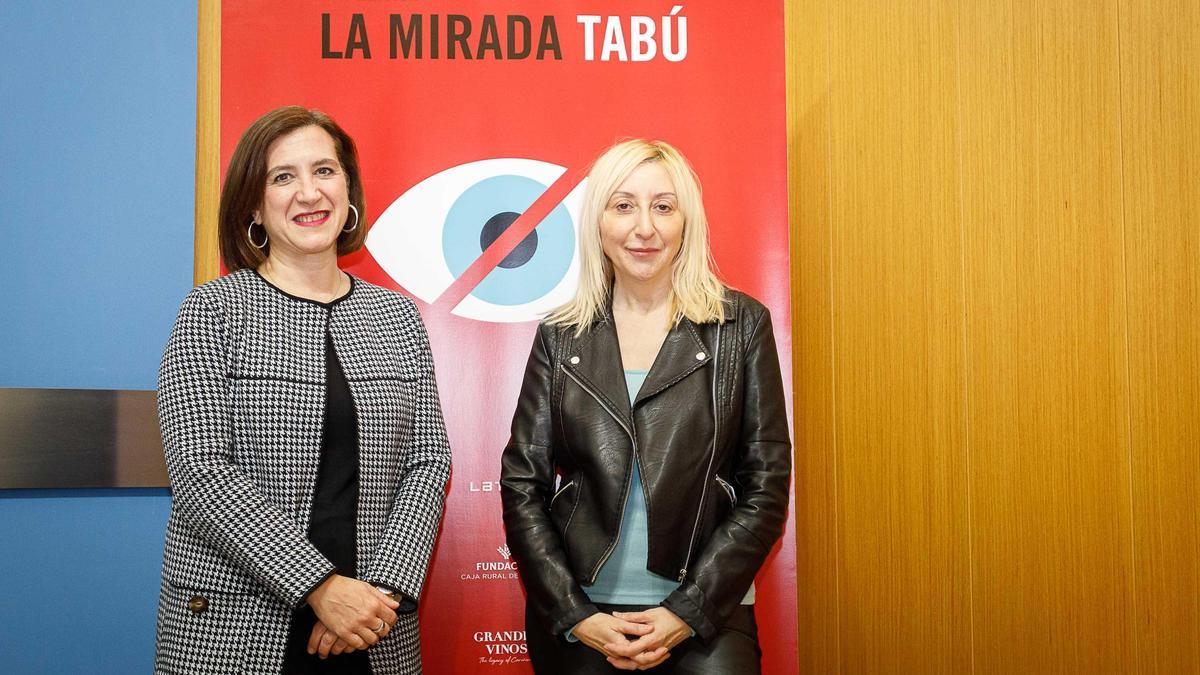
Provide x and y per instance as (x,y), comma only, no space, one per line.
(624,579)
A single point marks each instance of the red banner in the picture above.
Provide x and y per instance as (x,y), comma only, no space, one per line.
(469,115)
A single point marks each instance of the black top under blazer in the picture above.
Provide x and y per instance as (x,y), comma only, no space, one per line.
(241,399)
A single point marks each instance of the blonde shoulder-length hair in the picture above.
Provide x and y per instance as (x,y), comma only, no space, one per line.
(696,292)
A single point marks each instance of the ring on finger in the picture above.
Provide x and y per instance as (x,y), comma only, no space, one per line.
(382,626)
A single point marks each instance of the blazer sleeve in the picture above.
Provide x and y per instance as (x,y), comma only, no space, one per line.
(210,493)
(402,557)
(725,567)
(526,488)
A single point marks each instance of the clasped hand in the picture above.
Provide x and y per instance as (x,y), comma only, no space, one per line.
(349,614)
(655,633)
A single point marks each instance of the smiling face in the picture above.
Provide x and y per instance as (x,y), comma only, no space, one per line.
(306,198)
(641,228)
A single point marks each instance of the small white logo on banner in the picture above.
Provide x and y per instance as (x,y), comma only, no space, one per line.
(504,569)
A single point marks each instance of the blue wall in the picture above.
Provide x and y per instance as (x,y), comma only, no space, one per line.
(97,135)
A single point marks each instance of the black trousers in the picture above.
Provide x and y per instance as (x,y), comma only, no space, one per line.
(734,650)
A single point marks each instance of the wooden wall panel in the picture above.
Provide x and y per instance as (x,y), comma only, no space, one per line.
(1047,388)
(812,362)
(896,294)
(1160,54)
(208,140)
(1021,177)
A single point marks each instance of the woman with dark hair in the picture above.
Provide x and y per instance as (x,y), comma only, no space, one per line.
(647,475)
(302,431)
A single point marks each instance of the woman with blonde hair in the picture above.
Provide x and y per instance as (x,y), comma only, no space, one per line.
(646,478)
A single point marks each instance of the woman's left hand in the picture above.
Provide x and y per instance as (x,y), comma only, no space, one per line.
(350,610)
(323,648)
(654,647)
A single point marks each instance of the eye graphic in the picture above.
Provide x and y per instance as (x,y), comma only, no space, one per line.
(433,232)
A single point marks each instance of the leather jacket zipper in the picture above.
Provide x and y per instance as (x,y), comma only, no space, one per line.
(625,492)
(711,457)
(728,489)
(560,491)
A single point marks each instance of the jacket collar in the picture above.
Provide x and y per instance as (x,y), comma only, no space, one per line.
(595,359)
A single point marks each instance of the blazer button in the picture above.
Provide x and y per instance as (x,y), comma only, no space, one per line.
(198,604)
(574,360)
(699,356)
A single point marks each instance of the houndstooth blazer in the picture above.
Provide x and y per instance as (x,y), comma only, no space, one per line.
(241,400)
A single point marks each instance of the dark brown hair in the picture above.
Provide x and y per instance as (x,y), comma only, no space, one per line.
(246,183)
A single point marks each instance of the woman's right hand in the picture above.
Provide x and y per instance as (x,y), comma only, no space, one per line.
(603,632)
(351,610)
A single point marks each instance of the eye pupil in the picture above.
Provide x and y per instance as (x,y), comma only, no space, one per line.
(496,226)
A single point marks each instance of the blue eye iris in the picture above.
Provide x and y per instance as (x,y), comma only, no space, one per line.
(482,213)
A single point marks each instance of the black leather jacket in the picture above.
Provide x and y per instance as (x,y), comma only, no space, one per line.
(714,457)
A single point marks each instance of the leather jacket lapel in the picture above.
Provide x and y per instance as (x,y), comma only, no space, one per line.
(595,360)
(682,352)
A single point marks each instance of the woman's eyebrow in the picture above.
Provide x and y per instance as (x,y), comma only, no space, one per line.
(630,194)
(292,167)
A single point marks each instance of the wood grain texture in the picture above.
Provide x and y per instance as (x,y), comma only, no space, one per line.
(208,137)
(812,336)
(1047,387)
(996,266)
(896,294)
(1160,54)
